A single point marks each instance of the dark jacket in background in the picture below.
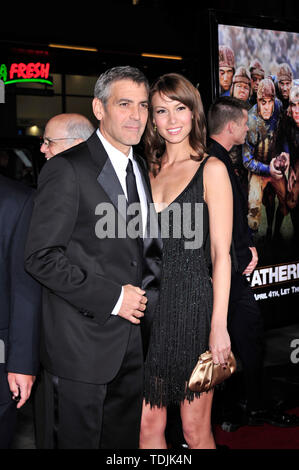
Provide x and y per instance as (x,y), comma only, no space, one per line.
(20,295)
(241,233)
(245,324)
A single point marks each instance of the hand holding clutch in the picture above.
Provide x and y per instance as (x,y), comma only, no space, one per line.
(206,374)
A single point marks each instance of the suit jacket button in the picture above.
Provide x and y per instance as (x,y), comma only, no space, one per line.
(134,263)
(86,313)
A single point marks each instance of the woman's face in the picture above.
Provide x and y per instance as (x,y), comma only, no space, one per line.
(172,118)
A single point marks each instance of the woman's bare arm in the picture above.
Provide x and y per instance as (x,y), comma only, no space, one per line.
(219,198)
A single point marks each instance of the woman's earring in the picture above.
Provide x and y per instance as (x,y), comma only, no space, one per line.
(155,127)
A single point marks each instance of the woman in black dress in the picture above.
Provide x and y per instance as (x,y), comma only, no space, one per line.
(190,190)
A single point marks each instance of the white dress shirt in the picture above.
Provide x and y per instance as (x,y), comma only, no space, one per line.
(119,162)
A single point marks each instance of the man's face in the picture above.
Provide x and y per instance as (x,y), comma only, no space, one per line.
(55,130)
(241,91)
(295,112)
(124,116)
(255,80)
(284,87)
(225,77)
(266,107)
(240,129)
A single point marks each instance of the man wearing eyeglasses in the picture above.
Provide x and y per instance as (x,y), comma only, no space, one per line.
(63,132)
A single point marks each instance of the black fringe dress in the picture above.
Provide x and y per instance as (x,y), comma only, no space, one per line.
(181,325)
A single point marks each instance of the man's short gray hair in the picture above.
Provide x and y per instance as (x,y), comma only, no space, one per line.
(105,80)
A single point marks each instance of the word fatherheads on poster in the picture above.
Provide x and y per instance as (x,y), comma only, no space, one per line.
(275,276)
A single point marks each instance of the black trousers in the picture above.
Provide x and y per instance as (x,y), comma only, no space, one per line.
(8,416)
(245,326)
(76,415)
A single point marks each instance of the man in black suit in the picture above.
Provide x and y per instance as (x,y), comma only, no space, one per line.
(100,284)
(227,122)
(20,298)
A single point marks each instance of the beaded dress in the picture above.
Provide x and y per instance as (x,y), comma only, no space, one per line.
(181,325)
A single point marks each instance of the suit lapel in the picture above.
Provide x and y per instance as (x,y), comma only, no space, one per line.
(109,182)
(112,187)
(107,177)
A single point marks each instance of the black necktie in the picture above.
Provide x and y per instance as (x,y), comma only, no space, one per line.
(132,192)
(131,184)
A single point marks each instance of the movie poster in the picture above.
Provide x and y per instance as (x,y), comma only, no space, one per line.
(261,67)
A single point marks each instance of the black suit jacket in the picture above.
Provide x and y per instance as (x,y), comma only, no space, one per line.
(82,273)
(241,234)
(20,295)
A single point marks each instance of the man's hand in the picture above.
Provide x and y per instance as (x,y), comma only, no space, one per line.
(133,304)
(20,383)
(253,261)
(280,165)
(274,173)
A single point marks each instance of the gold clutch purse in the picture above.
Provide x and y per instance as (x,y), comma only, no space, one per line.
(206,374)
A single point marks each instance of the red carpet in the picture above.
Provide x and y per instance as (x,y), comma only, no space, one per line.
(260,437)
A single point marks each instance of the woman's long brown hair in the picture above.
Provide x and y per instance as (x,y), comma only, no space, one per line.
(175,87)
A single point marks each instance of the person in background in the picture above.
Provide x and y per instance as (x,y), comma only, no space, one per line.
(257,74)
(284,83)
(240,90)
(241,85)
(20,298)
(288,131)
(227,124)
(63,131)
(226,69)
(266,180)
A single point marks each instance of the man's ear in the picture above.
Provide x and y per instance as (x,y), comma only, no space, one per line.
(97,107)
(231,127)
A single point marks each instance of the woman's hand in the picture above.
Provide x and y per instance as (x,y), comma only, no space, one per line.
(220,345)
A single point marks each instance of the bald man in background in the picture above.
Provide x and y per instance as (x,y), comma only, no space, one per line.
(64,131)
